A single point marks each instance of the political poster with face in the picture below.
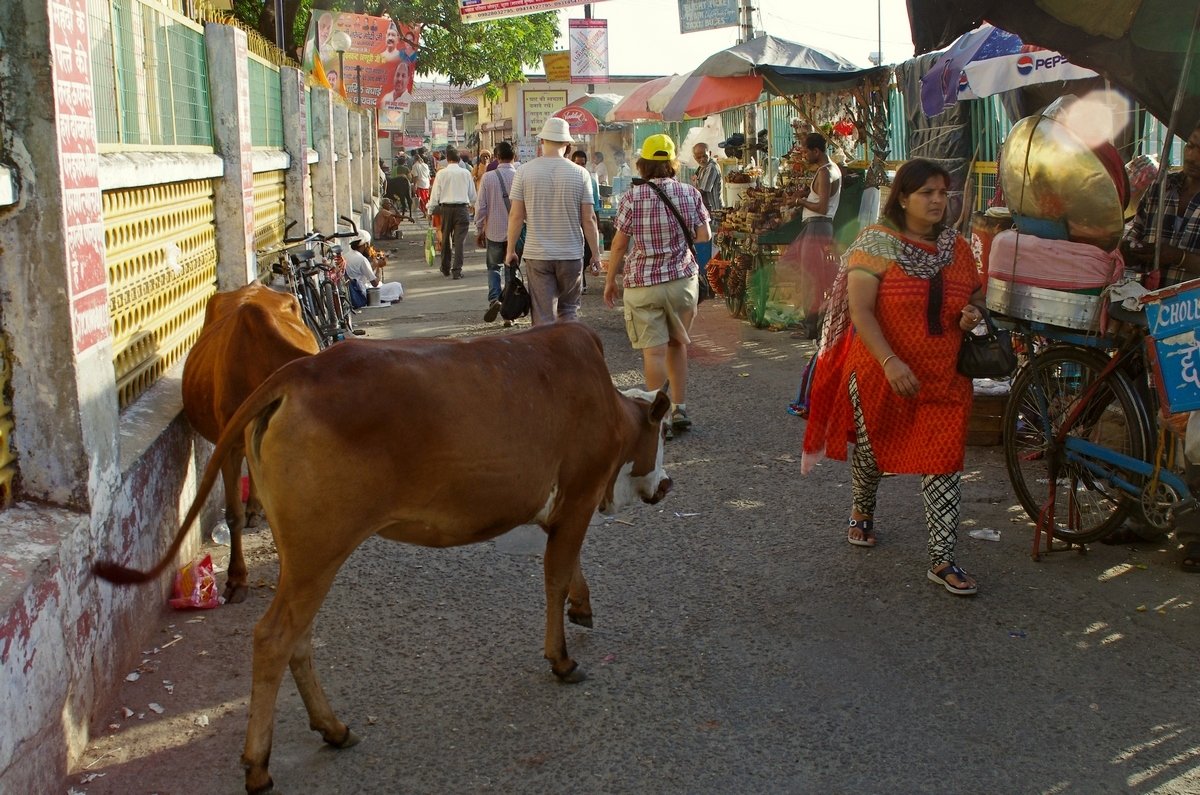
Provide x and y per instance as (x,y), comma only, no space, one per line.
(377,55)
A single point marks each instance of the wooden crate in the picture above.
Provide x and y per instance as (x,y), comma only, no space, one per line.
(984,427)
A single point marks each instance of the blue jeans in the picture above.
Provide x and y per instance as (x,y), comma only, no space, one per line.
(495,261)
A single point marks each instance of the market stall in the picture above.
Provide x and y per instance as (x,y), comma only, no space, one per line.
(848,106)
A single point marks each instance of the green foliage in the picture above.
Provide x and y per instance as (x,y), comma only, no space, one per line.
(498,51)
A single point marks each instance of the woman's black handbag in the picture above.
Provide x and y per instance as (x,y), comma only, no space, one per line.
(514,300)
(987,355)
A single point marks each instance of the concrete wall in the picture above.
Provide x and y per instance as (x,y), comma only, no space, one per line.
(94,482)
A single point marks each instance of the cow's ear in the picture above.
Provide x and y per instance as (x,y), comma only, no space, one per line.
(660,406)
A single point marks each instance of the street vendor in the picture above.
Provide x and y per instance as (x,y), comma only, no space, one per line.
(811,254)
(1180,254)
(707,178)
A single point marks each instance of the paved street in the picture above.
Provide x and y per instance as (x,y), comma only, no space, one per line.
(740,644)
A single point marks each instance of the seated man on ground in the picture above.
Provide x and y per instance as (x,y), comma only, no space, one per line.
(362,270)
(387,221)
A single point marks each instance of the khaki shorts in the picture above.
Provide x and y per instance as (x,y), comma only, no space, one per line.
(662,312)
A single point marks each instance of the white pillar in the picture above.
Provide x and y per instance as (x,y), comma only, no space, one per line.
(324,182)
(229,93)
(341,165)
(295,142)
(354,130)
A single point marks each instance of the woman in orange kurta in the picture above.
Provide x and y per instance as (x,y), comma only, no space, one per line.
(885,376)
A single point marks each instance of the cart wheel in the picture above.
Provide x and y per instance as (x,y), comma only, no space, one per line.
(1088,505)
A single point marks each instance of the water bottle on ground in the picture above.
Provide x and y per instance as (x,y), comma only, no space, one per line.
(220,534)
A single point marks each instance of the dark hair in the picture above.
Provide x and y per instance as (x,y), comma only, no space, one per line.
(580,155)
(599,157)
(909,179)
(814,141)
(504,151)
(451,154)
(655,169)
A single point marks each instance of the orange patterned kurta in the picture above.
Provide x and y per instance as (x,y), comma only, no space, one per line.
(925,434)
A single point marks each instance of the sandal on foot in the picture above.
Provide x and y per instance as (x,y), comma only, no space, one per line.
(943,578)
(1190,562)
(866,527)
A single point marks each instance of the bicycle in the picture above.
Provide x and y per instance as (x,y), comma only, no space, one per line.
(315,276)
(1084,447)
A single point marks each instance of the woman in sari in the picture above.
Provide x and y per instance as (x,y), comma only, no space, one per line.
(885,373)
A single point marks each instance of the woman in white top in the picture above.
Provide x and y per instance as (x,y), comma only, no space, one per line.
(812,253)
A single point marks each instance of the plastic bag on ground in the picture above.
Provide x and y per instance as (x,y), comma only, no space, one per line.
(196,586)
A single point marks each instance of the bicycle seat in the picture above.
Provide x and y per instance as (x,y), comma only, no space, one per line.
(303,256)
(1134,317)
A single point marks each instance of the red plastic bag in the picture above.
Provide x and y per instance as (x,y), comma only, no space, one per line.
(196,586)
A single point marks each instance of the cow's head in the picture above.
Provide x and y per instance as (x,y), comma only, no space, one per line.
(641,475)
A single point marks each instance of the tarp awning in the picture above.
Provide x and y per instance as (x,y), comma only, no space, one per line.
(1139,45)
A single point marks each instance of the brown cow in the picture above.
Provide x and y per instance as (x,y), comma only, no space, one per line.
(248,334)
(389,410)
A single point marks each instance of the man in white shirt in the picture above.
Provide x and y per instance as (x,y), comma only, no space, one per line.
(420,181)
(600,171)
(552,197)
(359,268)
(453,193)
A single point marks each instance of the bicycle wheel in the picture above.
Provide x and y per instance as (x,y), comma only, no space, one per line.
(315,307)
(1087,505)
(333,307)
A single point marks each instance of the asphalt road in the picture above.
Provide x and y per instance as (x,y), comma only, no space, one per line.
(740,644)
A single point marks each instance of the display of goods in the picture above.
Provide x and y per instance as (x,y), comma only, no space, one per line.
(715,271)
(763,209)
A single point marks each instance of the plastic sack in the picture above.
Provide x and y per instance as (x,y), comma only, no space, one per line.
(196,586)
(430,249)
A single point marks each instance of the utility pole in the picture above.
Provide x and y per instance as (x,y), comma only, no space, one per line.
(745,34)
(587,14)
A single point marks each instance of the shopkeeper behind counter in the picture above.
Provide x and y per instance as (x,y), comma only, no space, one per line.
(811,253)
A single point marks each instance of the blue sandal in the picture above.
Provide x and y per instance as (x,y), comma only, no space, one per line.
(942,576)
(866,527)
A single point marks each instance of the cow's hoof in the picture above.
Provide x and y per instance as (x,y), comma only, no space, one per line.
(582,619)
(351,739)
(235,594)
(572,676)
(266,789)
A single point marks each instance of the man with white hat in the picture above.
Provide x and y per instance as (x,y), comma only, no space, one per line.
(552,197)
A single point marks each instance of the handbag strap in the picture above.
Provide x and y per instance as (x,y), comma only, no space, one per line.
(687,233)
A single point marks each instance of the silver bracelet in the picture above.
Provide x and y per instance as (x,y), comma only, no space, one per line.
(887,359)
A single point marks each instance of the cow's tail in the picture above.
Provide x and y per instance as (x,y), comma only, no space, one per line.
(260,402)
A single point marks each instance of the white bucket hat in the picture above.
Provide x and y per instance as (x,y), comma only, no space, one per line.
(557,130)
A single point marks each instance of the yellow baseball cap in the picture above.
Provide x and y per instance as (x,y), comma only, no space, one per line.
(658,147)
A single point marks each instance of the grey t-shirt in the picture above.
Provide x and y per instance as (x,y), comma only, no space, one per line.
(553,188)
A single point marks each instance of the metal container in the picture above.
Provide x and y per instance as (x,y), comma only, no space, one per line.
(372,296)
(1055,307)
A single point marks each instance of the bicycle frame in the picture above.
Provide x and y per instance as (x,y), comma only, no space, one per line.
(1104,463)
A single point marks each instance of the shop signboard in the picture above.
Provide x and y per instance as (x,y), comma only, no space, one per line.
(589,50)
(697,15)
(439,133)
(479,10)
(579,120)
(379,62)
(539,106)
(557,66)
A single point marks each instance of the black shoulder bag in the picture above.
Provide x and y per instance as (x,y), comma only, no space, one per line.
(705,292)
